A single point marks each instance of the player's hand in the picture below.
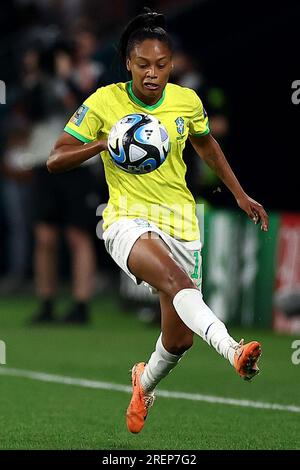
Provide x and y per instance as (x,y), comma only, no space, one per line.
(255,211)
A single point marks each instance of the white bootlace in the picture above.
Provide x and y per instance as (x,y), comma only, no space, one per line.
(241,344)
(149,399)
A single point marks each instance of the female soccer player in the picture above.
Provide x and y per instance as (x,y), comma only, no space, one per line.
(151,230)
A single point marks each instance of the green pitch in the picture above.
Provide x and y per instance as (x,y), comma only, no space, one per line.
(46,415)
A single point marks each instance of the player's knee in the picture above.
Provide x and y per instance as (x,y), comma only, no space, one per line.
(177,279)
(181,345)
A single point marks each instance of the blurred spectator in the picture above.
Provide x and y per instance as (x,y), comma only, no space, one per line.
(87,71)
(16,193)
(63,203)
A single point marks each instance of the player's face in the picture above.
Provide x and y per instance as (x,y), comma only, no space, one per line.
(150,64)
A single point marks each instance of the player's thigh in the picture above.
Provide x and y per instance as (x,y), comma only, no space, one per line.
(151,261)
(176,336)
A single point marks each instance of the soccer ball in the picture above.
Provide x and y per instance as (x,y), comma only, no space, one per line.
(138,143)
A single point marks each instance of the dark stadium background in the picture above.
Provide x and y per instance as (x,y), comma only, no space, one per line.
(251,51)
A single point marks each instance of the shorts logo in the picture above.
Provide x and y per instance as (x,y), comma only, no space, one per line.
(142,222)
(180,125)
(78,116)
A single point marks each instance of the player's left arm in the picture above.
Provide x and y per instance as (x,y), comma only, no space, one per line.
(211,153)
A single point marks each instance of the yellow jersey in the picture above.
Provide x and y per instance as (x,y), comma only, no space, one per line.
(162,196)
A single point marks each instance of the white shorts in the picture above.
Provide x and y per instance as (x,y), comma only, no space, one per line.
(120,237)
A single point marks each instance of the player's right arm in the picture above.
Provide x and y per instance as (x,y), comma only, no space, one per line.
(69,152)
(80,139)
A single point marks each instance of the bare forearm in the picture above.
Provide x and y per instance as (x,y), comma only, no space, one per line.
(210,151)
(216,160)
(66,157)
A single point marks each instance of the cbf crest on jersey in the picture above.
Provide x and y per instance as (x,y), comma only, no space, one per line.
(180,125)
(79,115)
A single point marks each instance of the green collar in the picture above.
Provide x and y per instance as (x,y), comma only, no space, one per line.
(139,102)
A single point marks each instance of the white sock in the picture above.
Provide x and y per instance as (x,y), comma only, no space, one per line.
(201,320)
(159,365)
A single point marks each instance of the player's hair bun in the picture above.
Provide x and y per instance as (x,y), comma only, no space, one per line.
(153,19)
(148,22)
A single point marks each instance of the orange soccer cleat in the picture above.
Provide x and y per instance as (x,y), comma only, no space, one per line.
(140,401)
(246,358)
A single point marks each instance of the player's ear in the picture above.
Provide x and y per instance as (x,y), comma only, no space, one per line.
(128,65)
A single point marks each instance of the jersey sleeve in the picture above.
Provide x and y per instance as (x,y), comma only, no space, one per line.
(198,124)
(86,123)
